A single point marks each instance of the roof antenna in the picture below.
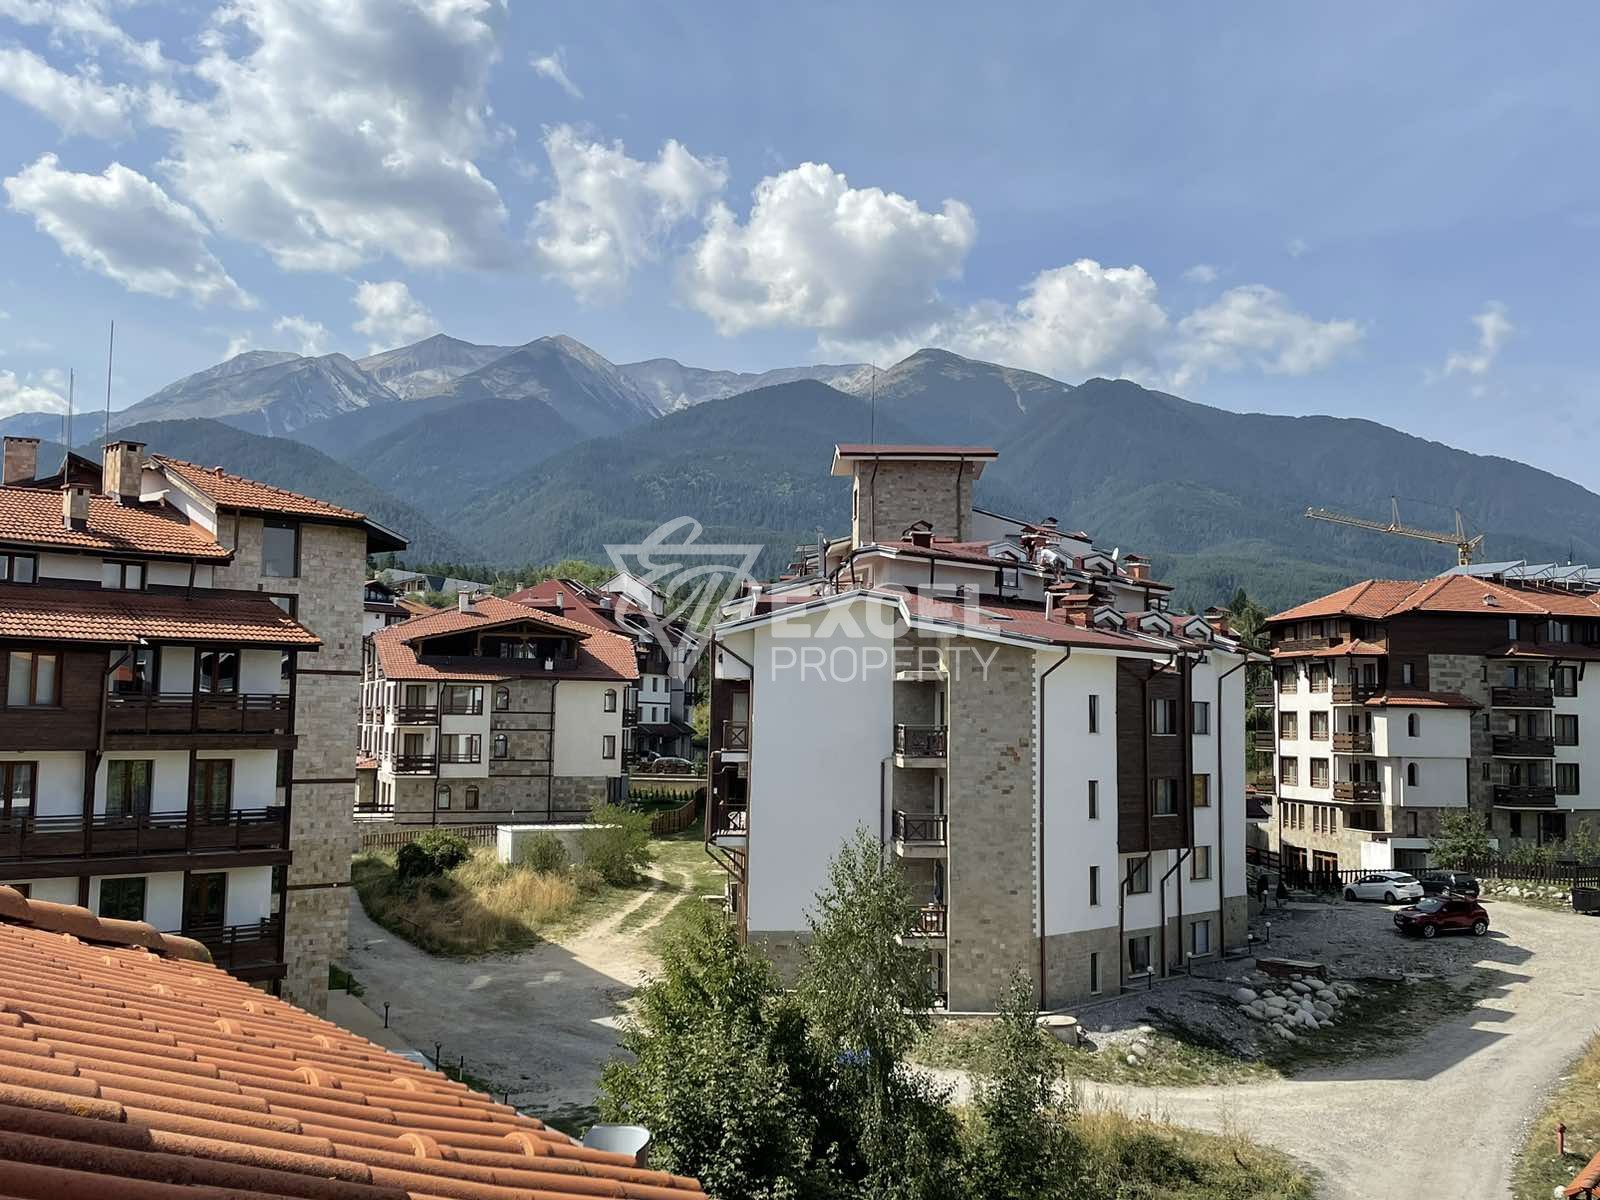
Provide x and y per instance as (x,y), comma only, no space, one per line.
(111,347)
(872,427)
(66,455)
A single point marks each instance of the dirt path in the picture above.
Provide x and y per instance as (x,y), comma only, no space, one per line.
(1446,1116)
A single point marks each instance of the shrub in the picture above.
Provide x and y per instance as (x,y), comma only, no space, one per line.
(431,855)
(546,853)
(618,846)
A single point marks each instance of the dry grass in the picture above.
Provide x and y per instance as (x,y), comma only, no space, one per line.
(481,907)
(1576,1102)
(1135,1158)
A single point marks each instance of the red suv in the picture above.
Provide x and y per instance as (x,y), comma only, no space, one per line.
(1434,915)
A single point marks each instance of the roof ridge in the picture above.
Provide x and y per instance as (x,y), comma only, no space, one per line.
(78,922)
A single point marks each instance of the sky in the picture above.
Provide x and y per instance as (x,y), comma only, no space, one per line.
(1370,210)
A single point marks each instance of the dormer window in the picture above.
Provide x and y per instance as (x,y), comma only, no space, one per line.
(123,576)
(19,568)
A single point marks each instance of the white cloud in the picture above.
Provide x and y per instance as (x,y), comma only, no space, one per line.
(17,396)
(85,22)
(391,315)
(238,344)
(76,103)
(816,253)
(127,228)
(610,213)
(334,132)
(1494,331)
(1201,273)
(1297,247)
(310,337)
(553,66)
(1254,326)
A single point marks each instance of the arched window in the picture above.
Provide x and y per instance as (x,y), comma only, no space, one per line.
(1411,774)
(611,699)
(1413,723)
(502,699)
(498,746)
(471,799)
(442,796)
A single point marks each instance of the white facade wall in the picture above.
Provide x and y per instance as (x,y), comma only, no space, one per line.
(88,567)
(1441,733)
(1586,707)
(255,776)
(176,668)
(169,778)
(249,895)
(63,890)
(261,673)
(582,725)
(1074,756)
(69,566)
(163,898)
(59,791)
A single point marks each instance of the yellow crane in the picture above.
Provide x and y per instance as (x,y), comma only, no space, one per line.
(1465,547)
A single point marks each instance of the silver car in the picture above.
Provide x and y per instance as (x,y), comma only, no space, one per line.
(1392,887)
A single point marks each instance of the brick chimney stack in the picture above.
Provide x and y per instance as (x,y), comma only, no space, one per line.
(1137,567)
(21,461)
(122,472)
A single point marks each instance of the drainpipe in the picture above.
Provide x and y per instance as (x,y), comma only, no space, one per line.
(1059,662)
(1122,917)
(1222,840)
(1184,852)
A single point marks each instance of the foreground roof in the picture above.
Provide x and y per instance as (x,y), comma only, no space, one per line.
(1375,599)
(32,517)
(131,1071)
(1400,698)
(601,655)
(102,616)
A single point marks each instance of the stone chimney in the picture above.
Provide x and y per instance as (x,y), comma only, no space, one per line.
(561,601)
(122,473)
(463,601)
(1217,618)
(1137,567)
(75,506)
(22,460)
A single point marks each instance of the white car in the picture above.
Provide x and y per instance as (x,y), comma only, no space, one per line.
(1392,887)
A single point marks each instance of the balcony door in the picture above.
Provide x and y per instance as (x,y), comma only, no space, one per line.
(213,789)
(416,695)
(205,900)
(413,745)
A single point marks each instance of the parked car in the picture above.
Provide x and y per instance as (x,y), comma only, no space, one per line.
(671,766)
(1389,886)
(1437,883)
(1433,915)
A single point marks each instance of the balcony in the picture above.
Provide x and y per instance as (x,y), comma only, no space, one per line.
(27,836)
(1354,693)
(416,714)
(1265,739)
(462,708)
(1358,791)
(458,757)
(630,715)
(920,835)
(1264,697)
(735,737)
(930,921)
(1352,743)
(1510,745)
(728,818)
(920,741)
(1301,645)
(198,712)
(240,947)
(415,764)
(1520,697)
(1510,795)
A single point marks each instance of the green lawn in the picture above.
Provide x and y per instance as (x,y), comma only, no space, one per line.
(1577,1103)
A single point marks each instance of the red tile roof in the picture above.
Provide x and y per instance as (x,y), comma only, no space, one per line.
(1028,621)
(601,655)
(132,1069)
(1565,651)
(100,617)
(32,517)
(1396,698)
(1370,599)
(249,495)
(1375,599)
(575,605)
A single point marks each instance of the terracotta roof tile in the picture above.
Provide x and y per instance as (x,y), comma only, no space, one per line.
(1369,599)
(1396,698)
(601,655)
(269,1102)
(32,517)
(1375,599)
(102,616)
(235,491)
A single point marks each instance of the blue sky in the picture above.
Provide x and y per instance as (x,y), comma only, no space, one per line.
(1370,210)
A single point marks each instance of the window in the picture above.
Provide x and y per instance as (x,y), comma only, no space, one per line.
(125,576)
(1558,631)
(1289,771)
(1408,674)
(122,899)
(1139,955)
(1202,791)
(1319,727)
(1413,724)
(499,746)
(1566,779)
(289,604)
(18,784)
(1412,774)
(1094,972)
(1319,677)
(1165,794)
(213,788)
(1094,799)
(461,700)
(1200,938)
(1516,824)
(1566,729)
(1094,886)
(1163,716)
(611,700)
(1565,680)
(280,549)
(1200,715)
(1200,863)
(18,568)
(608,746)
(33,679)
(502,699)
(1288,727)
(441,796)
(128,787)
(1319,772)
(219,671)
(1513,628)
(1094,714)
(133,673)
(460,748)
(1139,876)
(470,800)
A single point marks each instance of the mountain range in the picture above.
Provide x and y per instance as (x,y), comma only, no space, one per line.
(508,455)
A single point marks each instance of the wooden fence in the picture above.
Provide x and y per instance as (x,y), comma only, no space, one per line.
(392,838)
(1511,871)
(676,820)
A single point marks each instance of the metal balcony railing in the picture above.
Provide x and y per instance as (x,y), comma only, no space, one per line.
(920,741)
(1521,697)
(416,764)
(931,920)
(1514,795)
(416,714)
(1522,746)
(928,829)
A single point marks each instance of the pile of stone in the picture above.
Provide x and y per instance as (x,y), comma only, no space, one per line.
(1295,1007)
(1529,891)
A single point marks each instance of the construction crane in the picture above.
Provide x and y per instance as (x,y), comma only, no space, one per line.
(1465,547)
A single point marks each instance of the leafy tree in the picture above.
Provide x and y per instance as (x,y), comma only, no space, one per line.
(617,845)
(1463,836)
(431,855)
(1583,842)
(1020,1140)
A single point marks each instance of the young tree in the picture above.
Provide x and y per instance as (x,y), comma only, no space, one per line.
(1463,837)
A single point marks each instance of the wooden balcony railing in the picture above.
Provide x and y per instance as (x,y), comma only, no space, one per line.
(1299,645)
(416,764)
(735,736)
(1264,696)
(1266,739)
(26,836)
(416,714)
(1354,693)
(1520,697)
(236,946)
(198,712)
(920,741)
(1352,743)
(1525,795)
(931,920)
(727,818)
(1520,746)
(927,829)
(1369,791)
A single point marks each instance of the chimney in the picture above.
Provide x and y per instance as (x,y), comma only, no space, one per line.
(919,534)
(22,460)
(561,602)
(1217,618)
(122,472)
(75,506)
(1137,567)
(463,601)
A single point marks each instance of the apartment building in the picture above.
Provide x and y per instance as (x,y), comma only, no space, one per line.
(1053,755)
(493,711)
(382,606)
(180,662)
(1396,701)
(668,654)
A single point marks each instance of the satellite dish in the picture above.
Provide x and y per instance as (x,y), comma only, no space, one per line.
(631,1140)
